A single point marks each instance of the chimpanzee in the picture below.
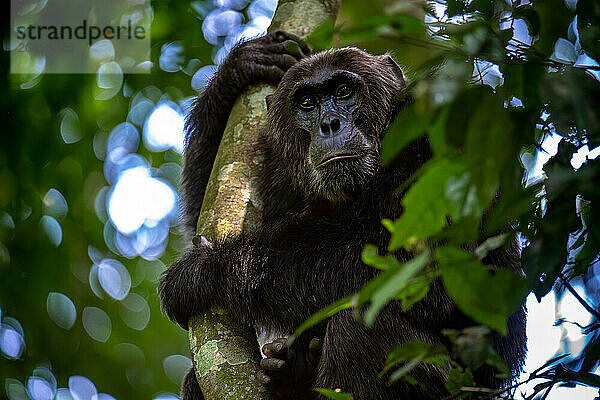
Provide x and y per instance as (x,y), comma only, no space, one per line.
(324,193)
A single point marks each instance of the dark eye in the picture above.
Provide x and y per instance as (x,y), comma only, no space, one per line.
(343,91)
(308,102)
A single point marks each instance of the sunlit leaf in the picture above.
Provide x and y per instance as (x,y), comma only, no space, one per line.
(388,284)
(425,205)
(416,291)
(371,257)
(462,196)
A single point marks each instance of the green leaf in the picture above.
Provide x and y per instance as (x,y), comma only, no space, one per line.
(371,257)
(414,292)
(462,195)
(437,132)
(383,288)
(490,147)
(456,7)
(461,113)
(495,361)
(414,353)
(322,37)
(425,205)
(464,230)
(405,369)
(322,315)
(332,394)
(588,15)
(474,347)
(407,127)
(371,28)
(388,224)
(488,299)
(512,205)
(485,7)
(547,254)
(554,20)
(542,260)
(572,96)
(457,379)
(490,244)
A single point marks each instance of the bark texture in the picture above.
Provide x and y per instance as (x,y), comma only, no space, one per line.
(225,354)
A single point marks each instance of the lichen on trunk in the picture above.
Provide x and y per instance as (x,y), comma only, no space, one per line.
(225,354)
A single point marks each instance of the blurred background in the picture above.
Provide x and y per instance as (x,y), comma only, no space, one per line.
(89,180)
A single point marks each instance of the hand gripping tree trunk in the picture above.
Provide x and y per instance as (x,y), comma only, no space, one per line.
(225,354)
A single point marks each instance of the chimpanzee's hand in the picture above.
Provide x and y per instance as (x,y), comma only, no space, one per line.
(263,59)
(289,371)
(181,285)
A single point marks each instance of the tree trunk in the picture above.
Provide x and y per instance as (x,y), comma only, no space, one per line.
(225,354)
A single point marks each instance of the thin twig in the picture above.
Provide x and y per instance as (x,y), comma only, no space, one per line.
(584,303)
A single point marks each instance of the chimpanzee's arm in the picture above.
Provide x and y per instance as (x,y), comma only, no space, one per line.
(261,284)
(263,59)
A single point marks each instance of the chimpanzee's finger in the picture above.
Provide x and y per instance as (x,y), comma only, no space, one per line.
(272,364)
(276,349)
(282,36)
(314,350)
(263,378)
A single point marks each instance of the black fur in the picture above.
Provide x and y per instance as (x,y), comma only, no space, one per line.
(306,254)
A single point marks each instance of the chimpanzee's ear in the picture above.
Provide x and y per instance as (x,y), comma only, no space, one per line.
(269,100)
(394,68)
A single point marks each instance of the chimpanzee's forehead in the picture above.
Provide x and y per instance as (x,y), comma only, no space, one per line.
(320,66)
(323,73)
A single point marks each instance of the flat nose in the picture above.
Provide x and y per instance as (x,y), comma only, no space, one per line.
(330,126)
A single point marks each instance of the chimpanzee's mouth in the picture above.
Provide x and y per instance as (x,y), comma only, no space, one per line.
(331,157)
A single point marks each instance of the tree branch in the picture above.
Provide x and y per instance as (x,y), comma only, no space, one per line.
(225,354)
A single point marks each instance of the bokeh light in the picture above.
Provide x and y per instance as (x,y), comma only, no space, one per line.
(61,310)
(171,57)
(135,311)
(52,229)
(97,324)
(138,198)
(15,390)
(166,396)
(70,127)
(176,366)
(12,338)
(164,128)
(82,388)
(40,389)
(114,278)
(12,343)
(55,204)
(219,23)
